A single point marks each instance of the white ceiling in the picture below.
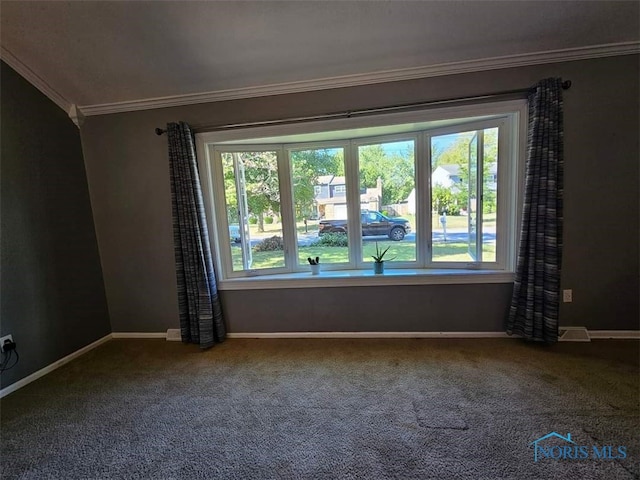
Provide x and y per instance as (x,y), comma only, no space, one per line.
(91,53)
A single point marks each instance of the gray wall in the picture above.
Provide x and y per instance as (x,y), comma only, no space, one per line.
(129,186)
(53,300)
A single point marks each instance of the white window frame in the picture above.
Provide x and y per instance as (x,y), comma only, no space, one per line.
(295,264)
(416,138)
(358,272)
(507,176)
(219,211)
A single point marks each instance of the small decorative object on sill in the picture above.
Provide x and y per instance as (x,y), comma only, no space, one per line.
(315,265)
(378,260)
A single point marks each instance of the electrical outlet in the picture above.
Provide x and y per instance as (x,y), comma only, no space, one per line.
(567,296)
(4,339)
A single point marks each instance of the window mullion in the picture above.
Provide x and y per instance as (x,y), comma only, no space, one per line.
(286,210)
(507,188)
(480,194)
(423,200)
(221,220)
(352,174)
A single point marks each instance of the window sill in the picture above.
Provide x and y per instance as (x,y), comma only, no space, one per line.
(363,278)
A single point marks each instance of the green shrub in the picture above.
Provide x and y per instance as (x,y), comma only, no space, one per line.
(268,220)
(445,201)
(253,221)
(269,244)
(332,240)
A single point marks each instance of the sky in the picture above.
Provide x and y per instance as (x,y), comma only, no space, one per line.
(441,143)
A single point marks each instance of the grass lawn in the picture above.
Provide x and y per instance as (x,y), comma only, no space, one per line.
(273,259)
(402,251)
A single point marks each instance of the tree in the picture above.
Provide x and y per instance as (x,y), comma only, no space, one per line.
(457,153)
(306,167)
(445,201)
(396,171)
(260,182)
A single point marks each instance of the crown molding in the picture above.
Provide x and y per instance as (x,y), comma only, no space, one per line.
(510,61)
(470,66)
(76,115)
(34,79)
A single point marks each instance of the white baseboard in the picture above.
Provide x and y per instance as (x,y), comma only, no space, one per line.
(615,334)
(173,334)
(50,368)
(594,334)
(370,335)
(139,335)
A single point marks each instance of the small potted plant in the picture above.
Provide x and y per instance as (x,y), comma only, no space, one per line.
(315,265)
(378,260)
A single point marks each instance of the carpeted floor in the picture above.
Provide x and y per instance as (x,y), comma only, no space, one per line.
(328,409)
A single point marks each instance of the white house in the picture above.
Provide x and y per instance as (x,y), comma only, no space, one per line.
(446,176)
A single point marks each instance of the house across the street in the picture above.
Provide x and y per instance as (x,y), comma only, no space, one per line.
(331,197)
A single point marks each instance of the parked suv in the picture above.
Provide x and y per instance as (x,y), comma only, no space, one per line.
(373,223)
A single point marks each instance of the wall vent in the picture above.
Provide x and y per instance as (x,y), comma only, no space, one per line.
(574,334)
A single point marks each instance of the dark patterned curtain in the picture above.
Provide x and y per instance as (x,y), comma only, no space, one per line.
(536,294)
(200,311)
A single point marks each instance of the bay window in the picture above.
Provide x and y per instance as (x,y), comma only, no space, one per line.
(439,188)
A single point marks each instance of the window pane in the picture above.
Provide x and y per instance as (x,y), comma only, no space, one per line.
(472,189)
(450,197)
(252,194)
(461,195)
(387,199)
(320,200)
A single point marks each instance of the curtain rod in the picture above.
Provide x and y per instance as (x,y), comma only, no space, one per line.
(369,111)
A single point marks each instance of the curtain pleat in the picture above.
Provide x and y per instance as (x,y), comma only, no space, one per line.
(535,302)
(199,306)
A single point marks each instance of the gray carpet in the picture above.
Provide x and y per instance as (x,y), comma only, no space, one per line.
(325,409)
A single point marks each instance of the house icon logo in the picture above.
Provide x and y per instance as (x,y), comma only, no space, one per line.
(557,447)
(545,450)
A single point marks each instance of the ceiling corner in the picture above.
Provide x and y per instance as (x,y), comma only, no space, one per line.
(34,79)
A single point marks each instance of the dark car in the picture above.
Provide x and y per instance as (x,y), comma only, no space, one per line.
(373,223)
